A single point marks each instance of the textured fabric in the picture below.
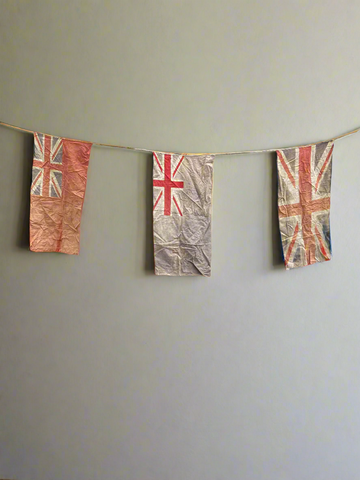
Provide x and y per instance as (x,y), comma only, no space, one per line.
(182,192)
(304,176)
(57,193)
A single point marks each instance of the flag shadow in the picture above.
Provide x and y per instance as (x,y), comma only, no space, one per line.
(22,234)
(277,255)
(149,239)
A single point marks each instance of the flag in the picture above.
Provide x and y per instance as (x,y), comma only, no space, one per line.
(304,183)
(182,203)
(57,193)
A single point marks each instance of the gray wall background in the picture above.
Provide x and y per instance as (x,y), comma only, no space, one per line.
(108,372)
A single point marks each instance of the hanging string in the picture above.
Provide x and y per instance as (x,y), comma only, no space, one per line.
(147,150)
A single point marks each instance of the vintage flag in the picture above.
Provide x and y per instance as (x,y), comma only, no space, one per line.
(304,183)
(59,177)
(182,193)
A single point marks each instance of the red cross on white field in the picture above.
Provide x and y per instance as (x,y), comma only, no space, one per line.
(168,184)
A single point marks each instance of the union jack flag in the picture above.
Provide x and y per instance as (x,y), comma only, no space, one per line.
(166,183)
(47,171)
(304,176)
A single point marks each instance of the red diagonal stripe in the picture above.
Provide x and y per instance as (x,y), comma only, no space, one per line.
(36,179)
(157,160)
(178,165)
(177,206)
(286,168)
(38,142)
(157,201)
(323,168)
(56,189)
(291,246)
(56,151)
(322,247)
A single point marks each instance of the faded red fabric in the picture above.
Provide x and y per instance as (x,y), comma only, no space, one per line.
(57,193)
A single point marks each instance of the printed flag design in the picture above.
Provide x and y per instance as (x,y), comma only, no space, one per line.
(304,184)
(47,166)
(182,196)
(58,186)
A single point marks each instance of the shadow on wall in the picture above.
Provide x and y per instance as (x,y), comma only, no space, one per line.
(277,255)
(22,235)
(149,239)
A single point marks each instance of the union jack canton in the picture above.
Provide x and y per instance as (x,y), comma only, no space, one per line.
(47,166)
(304,184)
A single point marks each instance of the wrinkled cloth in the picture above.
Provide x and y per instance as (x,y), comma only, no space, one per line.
(304,184)
(58,186)
(182,196)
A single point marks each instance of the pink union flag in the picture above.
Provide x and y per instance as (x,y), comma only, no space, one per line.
(57,193)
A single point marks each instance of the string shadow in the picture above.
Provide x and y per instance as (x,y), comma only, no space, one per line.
(22,234)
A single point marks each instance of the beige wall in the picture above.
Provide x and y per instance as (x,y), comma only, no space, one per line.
(107,372)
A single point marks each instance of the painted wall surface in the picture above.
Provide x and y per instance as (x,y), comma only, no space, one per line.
(108,372)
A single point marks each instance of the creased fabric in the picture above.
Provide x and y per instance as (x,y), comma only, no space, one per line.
(304,184)
(182,195)
(58,186)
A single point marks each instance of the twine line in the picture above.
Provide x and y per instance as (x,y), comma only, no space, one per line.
(147,150)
